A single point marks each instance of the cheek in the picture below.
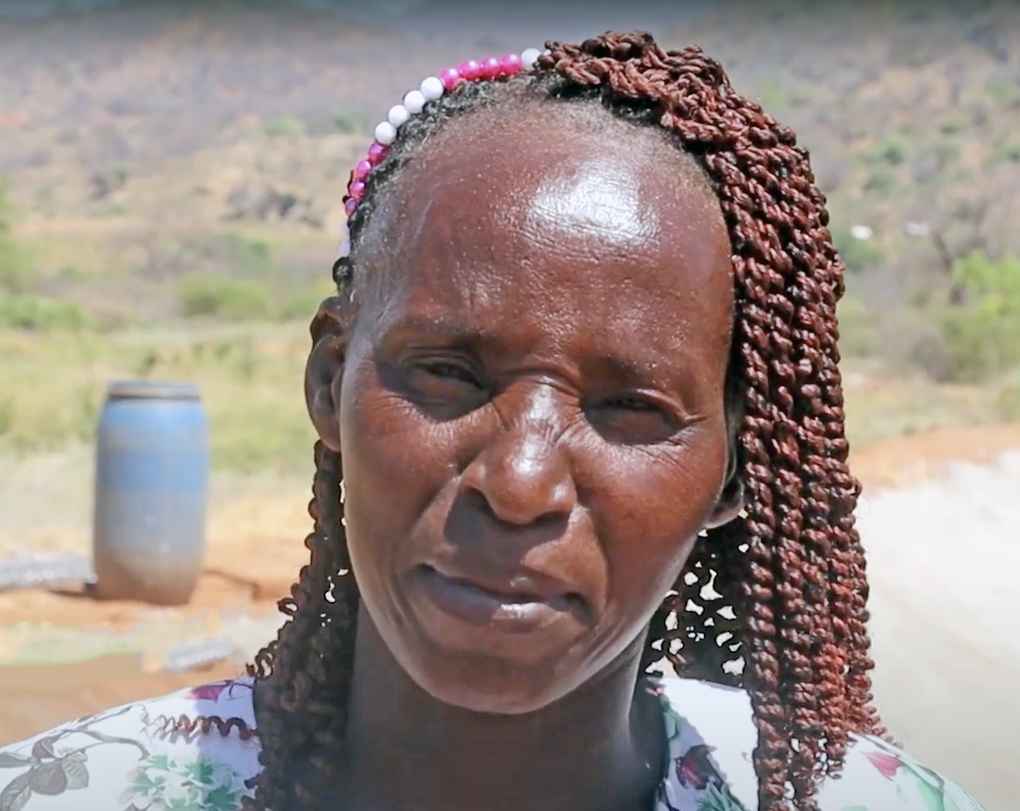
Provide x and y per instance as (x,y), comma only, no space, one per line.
(648,507)
(395,466)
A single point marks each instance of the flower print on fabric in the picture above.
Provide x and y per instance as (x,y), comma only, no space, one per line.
(234,688)
(59,761)
(694,781)
(161,783)
(918,786)
(695,770)
(140,757)
(886,764)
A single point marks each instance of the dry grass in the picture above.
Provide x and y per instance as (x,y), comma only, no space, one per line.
(250,377)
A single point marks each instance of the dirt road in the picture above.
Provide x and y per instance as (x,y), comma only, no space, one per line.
(944,557)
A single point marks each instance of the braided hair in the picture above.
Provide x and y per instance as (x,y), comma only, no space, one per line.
(774,601)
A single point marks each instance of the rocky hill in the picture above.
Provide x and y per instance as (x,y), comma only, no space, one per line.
(143,141)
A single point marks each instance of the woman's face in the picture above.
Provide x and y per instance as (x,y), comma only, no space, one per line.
(532,404)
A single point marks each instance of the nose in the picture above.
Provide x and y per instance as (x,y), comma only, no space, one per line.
(523,473)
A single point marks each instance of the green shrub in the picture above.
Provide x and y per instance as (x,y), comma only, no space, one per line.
(302,303)
(6,415)
(773,96)
(351,122)
(952,126)
(858,254)
(858,328)
(14,269)
(23,311)
(890,150)
(880,181)
(1007,153)
(220,297)
(251,256)
(1004,91)
(982,333)
(284,126)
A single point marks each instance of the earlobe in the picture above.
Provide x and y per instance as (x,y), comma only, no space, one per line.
(330,331)
(729,505)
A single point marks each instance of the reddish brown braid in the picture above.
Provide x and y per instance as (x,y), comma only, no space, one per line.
(302,678)
(183,727)
(773,602)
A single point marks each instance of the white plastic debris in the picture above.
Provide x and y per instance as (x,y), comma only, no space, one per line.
(45,571)
(191,655)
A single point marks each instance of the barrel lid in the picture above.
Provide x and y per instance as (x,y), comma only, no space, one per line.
(152,390)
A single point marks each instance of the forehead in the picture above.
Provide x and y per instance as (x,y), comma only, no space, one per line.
(580,220)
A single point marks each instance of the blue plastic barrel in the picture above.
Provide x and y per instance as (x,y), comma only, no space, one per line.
(152,472)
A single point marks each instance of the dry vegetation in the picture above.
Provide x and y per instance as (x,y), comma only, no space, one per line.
(172,179)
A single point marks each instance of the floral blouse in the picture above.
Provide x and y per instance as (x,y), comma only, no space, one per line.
(129,759)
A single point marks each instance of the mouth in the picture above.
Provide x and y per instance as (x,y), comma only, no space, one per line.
(516,605)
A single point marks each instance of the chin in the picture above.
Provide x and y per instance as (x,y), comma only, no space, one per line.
(486,684)
(483,655)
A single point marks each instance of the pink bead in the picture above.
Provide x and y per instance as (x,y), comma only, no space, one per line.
(490,68)
(510,64)
(350,206)
(361,169)
(356,190)
(450,78)
(376,153)
(469,70)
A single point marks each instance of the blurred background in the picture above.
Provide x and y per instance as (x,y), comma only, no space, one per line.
(170,185)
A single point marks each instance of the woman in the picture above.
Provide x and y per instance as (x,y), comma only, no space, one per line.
(580,384)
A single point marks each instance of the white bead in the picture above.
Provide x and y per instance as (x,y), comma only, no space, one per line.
(345,247)
(398,115)
(414,102)
(385,133)
(432,88)
(530,57)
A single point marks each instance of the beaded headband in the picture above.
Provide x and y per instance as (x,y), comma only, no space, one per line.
(432,88)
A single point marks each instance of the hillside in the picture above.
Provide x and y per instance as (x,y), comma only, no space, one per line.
(131,135)
(177,164)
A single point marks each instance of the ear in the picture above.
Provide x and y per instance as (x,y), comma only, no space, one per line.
(331,330)
(731,497)
(729,505)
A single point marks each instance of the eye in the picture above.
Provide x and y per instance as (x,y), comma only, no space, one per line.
(444,387)
(630,402)
(444,370)
(634,419)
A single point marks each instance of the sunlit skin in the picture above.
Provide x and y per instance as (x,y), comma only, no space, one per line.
(528,394)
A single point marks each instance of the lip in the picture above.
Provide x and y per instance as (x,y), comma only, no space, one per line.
(516,604)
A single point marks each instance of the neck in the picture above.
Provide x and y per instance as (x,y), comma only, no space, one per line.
(599,747)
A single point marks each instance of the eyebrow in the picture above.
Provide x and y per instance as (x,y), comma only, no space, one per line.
(439,326)
(649,368)
(458,332)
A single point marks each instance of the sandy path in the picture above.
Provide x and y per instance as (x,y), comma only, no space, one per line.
(944,557)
